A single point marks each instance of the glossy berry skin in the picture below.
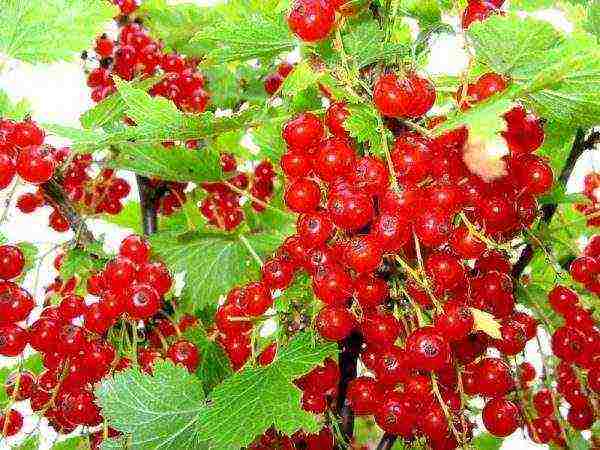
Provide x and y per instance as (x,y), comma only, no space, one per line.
(315,229)
(370,174)
(370,291)
(12,262)
(332,285)
(277,273)
(35,164)
(581,417)
(267,356)
(456,322)
(445,270)
(501,417)
(58,222)
(392,95)
(143,301)
(155,274)
(335,323)
(256,299)
(494,377)
(380,329)
(13,340)
(7,170)
(303,132)
(26,385)
(185,353)
(336,115)
(363,253)
(303,196)
(71,306)
(311,20)
(27,133)
(428,350)
(363,396)
(395,415)
(335,158)
(14,425)
(349,210)
(524,133)
(562,299)
(486,85)
(542,402)
(119,274)
(411,156)
(135,248)
(477,11)
(295,164)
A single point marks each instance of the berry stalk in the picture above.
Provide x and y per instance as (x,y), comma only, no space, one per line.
(148,205)
(387,442)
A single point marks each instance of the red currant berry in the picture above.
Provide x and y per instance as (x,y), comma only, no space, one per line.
(13,340)
(364,396)
(7,170)
(428,350)
(35,164)
(11,423)
(311,20)
(12,262)
(303,196)
(335,323)
(501,417)
(185,353)
(336,115)
(303,132)
(143,301)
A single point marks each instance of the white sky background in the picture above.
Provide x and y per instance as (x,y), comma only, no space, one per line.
(58,94)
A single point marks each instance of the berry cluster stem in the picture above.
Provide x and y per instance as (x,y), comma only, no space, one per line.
(147,205)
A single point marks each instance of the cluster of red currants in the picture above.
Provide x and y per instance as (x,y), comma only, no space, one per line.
(341,243)
(102,194)
(23,153)
(222,207)
(76,356)
(274,81)
(135,53)
(586,268)
(300,440)
(479,10)
(591,190)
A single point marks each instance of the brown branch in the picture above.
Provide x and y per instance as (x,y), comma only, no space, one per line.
(148,205)
(55,195)
(387,442)
(349,352)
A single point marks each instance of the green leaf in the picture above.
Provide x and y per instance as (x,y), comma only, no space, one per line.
(363,124)
(214,364)
(174,24)
(523,53)
(484,120)
(485,441)
(592,22)
(81,263)
(118,443)
(365,44)
(300,79)
(170,164)
(427,12)
(30,252)
(248,403)
(129,217)
(8,110)
(215,262)
(31,443)
(73,443)
(113,107)
(558,141)
(158,411)
(567,88)
(252,35)
(51,30)
(269,141)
